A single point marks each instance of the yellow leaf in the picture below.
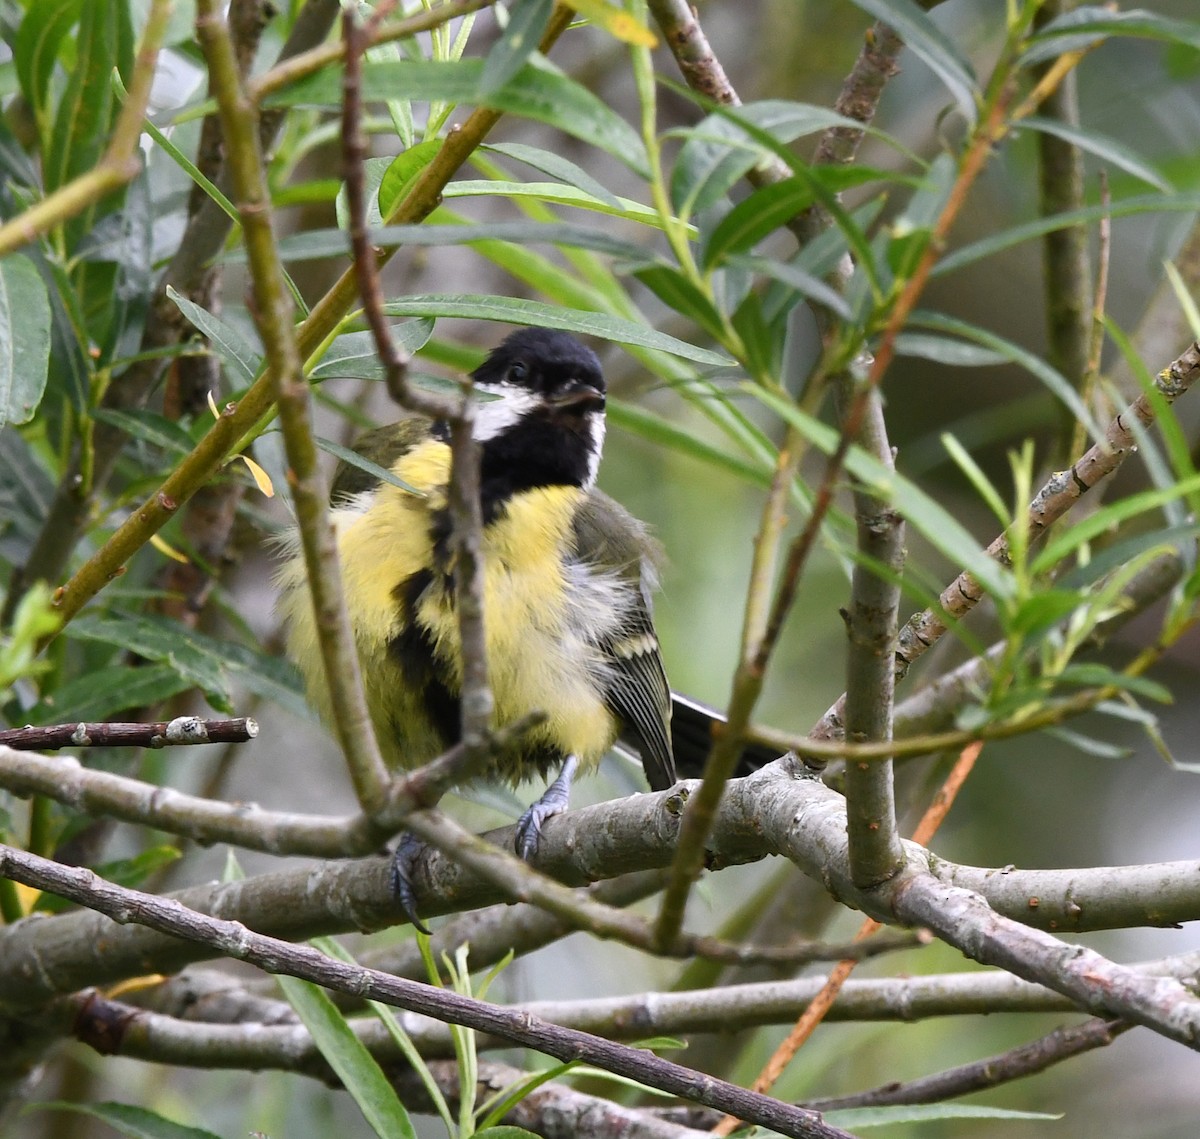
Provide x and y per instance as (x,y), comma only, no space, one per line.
(212,405)
(133,984)
(27,896)
(619,24)
(164,547)
(261,479)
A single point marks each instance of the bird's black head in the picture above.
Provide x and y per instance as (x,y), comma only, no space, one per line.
(546,425)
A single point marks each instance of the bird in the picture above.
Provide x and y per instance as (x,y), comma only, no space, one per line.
(568,576)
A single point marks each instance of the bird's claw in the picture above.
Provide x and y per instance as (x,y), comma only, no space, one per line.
(404,860)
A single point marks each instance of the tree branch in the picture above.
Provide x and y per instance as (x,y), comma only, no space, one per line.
(235,940)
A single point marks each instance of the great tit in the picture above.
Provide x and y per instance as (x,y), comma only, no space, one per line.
(567,579)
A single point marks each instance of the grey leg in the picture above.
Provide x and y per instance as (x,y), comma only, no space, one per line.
(553,802)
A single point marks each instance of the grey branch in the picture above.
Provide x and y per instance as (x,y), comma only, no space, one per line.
(233,939)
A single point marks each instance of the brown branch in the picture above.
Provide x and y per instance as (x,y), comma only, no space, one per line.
(993,1071)
(1064,251)
(162,733)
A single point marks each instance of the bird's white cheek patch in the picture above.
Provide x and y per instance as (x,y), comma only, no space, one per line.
(495,416)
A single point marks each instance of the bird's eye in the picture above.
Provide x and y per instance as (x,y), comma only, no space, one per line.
(517,372)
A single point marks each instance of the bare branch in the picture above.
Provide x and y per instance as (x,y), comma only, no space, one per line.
(234,939)
(161,733)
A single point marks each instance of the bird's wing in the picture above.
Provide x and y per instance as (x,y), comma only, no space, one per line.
(381,446)
(609,538)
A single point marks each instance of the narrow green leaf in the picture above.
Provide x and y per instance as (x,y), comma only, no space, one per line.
(662,432)
(717,152)
(932,46)
(391,1021)
(943,350)
(799,281)
(1091,674)
(243,358)
(348,1057)
(675,290)
(400,110)
(149,427)
(99,695)
(39,34)
(763,212)
(189,168)
(353,355)
(537,91)
(860,1117)
(1127,207)
(24,339)
(1089,745)
(1064,543)
(158,639)
(939,526)
(1126,551)
(374,171)
(820,185)
(128,1119)
(1053,380)
(1107,149)
(563,169)
(272,677)
(965,462)
(519,40)
(335,242)
(509,310)
(402,172)
(1074,30)
(84,113)
(558,193)
(1041,611)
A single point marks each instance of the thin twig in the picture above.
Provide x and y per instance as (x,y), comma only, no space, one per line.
(871,621)
(979,1075)
(1095,351)
(1056,497)
(246,825)
(823,1002)
(162,733)
(201,242)
(237,419)
(274,316)
(121,161)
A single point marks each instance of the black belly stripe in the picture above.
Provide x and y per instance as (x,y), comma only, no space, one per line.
(413,650)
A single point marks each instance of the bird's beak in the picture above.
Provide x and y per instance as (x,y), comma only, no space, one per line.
(578,396)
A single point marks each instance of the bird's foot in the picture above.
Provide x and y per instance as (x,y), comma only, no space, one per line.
(555,799)
(404,862)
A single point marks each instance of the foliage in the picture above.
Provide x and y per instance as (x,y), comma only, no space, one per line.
(124,331)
